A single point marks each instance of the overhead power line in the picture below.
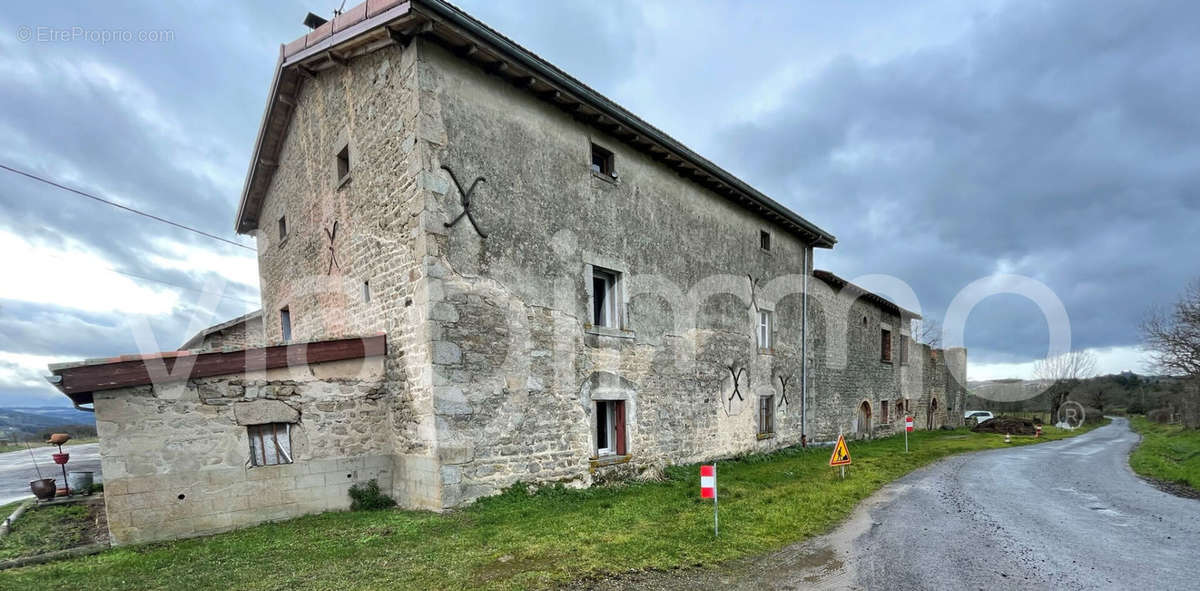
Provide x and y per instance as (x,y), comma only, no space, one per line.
(119,206)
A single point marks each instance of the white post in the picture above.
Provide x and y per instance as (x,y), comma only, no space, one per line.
(716,519)
(905,434)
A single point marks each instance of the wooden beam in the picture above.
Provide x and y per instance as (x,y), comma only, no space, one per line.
(337,59)
(469,50)
(306,72)
(399,38)
(124,373)
(287,100)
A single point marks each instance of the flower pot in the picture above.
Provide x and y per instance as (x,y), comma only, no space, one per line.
(60,458)
(42,489)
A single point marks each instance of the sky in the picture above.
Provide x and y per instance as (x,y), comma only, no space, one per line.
(942,142)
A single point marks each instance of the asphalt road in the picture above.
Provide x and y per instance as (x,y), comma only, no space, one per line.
(1062,515)
(16,468)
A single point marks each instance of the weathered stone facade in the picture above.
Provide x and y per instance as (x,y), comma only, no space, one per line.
(494,372)
(176,456)
(496,369)
(239,333)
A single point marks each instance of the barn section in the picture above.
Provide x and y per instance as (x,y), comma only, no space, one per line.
(198,443)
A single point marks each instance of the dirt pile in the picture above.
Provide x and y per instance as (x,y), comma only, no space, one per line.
(1013,425)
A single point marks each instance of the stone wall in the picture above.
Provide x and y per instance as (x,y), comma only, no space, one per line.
(376,284)
(248,333)
(517,366)
(176,457)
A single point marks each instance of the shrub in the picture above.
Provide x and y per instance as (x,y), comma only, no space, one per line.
(368,497)
(1160,415)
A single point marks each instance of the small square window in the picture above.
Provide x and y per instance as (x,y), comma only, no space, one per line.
(270,444)
(764,240)
(282,228)
(343,164)
(766,415)
(765,322)
(610,428)
(602,162)
(285,324)
(605,300)
(885,345)
(366,292)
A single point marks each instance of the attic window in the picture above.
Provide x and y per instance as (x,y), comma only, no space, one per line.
(602,162)
(343,165)
(764,240)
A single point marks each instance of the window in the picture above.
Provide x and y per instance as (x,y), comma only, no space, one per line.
(343,164)
(270,444)
(764,240)
(602,162)
(282,228)
(883,412)
(766,415)
(885,345)
(899,408)
(904,345)
(366,292)
(285,324)
(605,303)
(764,329)
(610,427)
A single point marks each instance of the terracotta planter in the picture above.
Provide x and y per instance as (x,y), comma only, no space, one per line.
(42,489)
(61,458)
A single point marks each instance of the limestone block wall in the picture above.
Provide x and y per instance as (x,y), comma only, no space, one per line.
(351,261)
(515,360)
(176,457)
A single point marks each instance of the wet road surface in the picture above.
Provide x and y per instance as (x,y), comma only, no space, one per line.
(16,468)
(1068,514)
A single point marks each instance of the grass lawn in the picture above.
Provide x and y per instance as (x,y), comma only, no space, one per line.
(45,529)
(519,540)
(1168,452)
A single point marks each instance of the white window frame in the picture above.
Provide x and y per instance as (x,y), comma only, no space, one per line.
(609,410)
(611,312)
(765,329)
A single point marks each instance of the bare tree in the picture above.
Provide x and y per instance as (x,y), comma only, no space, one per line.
(927,331)
(1173,337)
(1064,372)
(1173,340)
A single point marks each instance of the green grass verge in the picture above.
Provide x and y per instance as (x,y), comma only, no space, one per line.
(1168,452)
(45,529)
(522,540)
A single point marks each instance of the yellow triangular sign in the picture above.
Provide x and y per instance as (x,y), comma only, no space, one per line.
(841,453)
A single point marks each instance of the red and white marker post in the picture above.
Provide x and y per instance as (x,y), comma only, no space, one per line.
(908,426)
(708,490)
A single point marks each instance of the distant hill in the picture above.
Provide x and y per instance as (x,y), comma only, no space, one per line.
(1130,391)
(31,423)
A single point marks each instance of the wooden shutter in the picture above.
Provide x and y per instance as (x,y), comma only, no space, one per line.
(619,419)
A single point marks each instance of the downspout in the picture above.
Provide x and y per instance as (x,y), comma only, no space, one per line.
(56,380)
(804,356)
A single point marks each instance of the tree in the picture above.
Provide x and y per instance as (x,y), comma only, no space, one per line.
(927,331)
(1064,371)
(1172,338)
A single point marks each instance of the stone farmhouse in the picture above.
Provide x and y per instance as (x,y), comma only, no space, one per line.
(476,271)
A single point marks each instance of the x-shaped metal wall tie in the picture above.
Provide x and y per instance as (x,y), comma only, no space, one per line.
(466,201)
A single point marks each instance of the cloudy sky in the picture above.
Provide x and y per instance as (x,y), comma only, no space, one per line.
(942,142)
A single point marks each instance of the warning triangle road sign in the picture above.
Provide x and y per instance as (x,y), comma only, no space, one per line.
(841,453)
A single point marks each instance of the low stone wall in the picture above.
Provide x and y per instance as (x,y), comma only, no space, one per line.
(176,457)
